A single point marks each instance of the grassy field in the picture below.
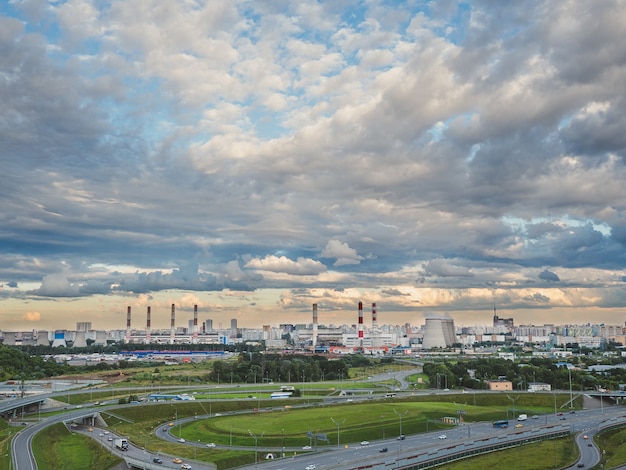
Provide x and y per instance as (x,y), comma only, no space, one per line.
(552,454)
(56,445)
(613,442)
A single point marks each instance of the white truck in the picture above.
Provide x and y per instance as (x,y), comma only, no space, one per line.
(121,443)
(522,417)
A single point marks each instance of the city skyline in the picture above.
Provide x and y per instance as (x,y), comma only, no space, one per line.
(255,158)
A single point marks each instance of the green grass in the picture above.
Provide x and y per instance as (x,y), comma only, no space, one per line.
(555,453)
(56,444)
(613,442)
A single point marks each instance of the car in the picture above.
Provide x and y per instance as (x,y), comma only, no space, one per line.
(519,426)
(109,438)
(401,437)
(177,460)
(185,466)
(585,436)
(590,445)
(365,443)
(101,434)
(384,449)
(170,424)
(534,417)
(580,465)
(443,436)
(211,444)
(306,448)
(90,429)
(157,460)
(559,414)
(107,432)
(310,467)
(181,440)
(563,418)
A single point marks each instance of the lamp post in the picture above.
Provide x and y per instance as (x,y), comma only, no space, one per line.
(399,416)
(338,424)
(571,399)
(256,447)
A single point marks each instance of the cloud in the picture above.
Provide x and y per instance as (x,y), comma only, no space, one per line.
(548,276)
(32,316)
(283,264)
(442,268)
(342,251)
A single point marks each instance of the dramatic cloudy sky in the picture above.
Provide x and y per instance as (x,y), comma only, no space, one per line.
(255,157)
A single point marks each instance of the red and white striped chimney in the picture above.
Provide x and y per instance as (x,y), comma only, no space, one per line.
(148,326)
(314,326)
(361,321)
(195,324)
(173,324)
(128,324)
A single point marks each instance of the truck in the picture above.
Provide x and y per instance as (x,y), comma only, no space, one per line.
(522,417)
(121,443)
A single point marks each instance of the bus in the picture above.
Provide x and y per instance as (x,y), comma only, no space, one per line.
(502,423)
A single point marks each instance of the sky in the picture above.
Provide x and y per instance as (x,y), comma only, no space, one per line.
(256,157)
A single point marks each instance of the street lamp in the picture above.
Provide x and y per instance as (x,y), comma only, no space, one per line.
(338,424)
(571,399)
(256,441)
(399,416)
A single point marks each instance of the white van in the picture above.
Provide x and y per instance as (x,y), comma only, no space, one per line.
(522,417)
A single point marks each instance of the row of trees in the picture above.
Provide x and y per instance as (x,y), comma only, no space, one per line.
(254,367)
(473,373)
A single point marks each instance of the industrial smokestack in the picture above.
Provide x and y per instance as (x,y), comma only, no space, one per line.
(314,326)
(195,324)
(128,324)
(361,321)
(374,316)
(173,324)
(148,326)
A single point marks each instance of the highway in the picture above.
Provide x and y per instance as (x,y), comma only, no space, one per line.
(347,457)
(461,439)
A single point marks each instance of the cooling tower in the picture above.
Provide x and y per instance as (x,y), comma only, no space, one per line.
(80,340)
(439,333)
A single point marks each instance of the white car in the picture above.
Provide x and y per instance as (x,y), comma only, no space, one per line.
(365,443)
(211,444)
(310,467)
(442,436)
(306,448)
(185,466)
(181,440)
